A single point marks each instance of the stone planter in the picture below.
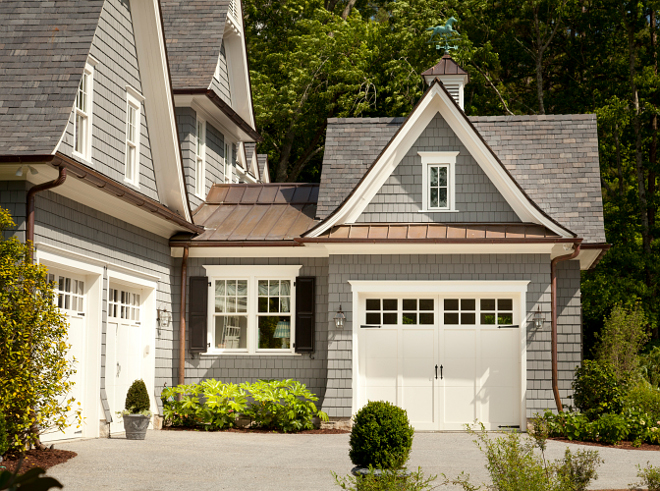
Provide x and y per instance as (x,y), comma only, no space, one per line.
(136,426)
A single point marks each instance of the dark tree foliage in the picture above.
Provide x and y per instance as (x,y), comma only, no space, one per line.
(316,59)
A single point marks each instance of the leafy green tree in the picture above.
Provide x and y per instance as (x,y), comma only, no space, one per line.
(34,371)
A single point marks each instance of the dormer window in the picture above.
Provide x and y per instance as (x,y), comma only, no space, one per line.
(228,167)
(133,122)
(439,181)
(82,120)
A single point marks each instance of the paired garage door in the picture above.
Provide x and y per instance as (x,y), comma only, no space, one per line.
(447,359)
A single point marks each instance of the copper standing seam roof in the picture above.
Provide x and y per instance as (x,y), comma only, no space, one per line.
(256,212)
(446,66)
(445,233)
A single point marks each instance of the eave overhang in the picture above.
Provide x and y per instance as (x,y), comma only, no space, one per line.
(208,100)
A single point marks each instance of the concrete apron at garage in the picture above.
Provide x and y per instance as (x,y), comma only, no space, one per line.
(175,460)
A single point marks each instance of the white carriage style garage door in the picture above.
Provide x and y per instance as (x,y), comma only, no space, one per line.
(124,350)
(71,298)
(447,358)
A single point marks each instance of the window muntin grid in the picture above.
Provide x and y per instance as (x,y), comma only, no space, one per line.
(123,304)
(382,311)
(132,142)
(230,313)
(418,311)
(438,187)
(81,127)
(69,293)
(472,311)
(273,297)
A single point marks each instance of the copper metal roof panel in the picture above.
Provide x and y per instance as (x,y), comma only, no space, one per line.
(231,222)
(251,194)
(217,194)
(235,194)
(281,228)
(249,222)
(267,222)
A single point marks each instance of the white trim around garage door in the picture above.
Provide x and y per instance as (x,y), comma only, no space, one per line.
(514,287)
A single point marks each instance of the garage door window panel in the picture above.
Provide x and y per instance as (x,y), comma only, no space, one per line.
(382,311)
(496,311)
(123,304)
(418,311)
(69,293)
(460,311)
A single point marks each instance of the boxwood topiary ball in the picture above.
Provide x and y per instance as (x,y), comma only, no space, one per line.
(137,398)
(381,436)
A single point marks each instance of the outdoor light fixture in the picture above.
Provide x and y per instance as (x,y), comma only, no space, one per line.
(538,319)
(32,170)
(164,318)
(339,319)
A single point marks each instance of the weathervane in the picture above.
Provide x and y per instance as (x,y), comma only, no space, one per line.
(447,33)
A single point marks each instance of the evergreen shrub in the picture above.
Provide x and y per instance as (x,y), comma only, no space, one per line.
(137,398)
(4,443)
(597,389)
(381,436)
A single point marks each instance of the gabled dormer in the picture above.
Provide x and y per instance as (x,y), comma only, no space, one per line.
(208,61)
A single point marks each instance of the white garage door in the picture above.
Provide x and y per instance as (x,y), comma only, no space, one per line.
(70,297)
(124,350)
(448,360)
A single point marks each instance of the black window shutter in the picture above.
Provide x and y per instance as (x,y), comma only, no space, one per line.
(305,313)
(198,295)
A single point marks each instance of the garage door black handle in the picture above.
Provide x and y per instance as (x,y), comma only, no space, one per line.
(440,372)
(436,372)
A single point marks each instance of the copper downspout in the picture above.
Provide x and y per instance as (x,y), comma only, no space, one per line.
(30,205)
(553,307)
(182,318)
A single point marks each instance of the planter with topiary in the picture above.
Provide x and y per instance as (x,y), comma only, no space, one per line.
(136,416)
(381,439)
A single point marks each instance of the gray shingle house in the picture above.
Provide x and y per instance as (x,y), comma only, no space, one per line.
(436,265)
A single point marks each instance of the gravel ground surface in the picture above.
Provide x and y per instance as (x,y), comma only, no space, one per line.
(179,460)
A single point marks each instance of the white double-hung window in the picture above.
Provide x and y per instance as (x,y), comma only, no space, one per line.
(228,167)
(200,159)
(133,123)
(251,309)
(82,114)
(438,181)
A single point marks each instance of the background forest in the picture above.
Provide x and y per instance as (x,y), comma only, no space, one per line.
(315,59)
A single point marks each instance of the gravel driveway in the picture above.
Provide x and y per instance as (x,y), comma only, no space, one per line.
(183,460)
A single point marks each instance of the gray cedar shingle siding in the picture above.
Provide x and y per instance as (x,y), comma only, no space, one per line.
(43,50)
(114,49)
(564,182)
(186,120)
(221,86)
(400,198)
(483,267)
(193,33)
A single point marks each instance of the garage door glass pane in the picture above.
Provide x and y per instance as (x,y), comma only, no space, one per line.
(409,304)
(416,311)
(390,304)
(387,316)
(373,304)
(490,315)
(373,318)
(451,304)
(426,304)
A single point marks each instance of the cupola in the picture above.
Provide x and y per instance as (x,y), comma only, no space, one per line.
(452,76)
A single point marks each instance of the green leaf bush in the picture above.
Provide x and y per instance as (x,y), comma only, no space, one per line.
(279,405)
(4,443)
(597,389)
(381,436)
(649,477)
(137,398)
(386,481)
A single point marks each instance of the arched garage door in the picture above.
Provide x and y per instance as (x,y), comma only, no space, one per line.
(448,359)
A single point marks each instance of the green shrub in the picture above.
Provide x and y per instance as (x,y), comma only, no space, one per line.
(386,481)
(620,340)
(32,480)
(137,398)
(580,469)
(571,425)
(4,443)
(612,428)
(650,366)
(283,405)
(381,436)
(597,389)
(650,477)
(643,398)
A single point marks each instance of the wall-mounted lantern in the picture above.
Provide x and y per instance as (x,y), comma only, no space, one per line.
(538,319)
(164,318)
(339,319)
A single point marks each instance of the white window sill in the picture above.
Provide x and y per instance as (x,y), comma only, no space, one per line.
(438,211)
(82,159)
(245,353)
(134,184)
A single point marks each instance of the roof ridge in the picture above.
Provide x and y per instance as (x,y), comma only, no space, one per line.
(533,117)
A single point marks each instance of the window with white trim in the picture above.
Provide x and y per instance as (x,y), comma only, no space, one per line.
(228,166)
(438,181)
(200,160)
(69,293)
(253,312)
(82,115)
(133,122)
(123,304)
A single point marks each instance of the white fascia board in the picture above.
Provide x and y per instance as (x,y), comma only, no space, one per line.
(237,68)
(587,257)
(261,270)
(436,101)
(213,114)
(458,287)
(159,107)
(325,250)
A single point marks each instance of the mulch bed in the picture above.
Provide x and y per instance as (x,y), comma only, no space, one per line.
(327,431)
(37,458)
(620,445)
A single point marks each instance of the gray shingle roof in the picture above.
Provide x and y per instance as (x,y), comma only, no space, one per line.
(554,158)
(193,33)
(43,50)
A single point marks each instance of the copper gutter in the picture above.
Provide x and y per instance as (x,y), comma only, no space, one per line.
(29,239)
(553,314)
(122,192)
(321,240)
(182,318)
